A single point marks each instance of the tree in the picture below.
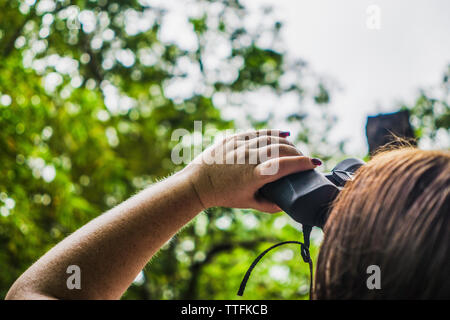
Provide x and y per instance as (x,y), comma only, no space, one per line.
(430,114)
(90,92)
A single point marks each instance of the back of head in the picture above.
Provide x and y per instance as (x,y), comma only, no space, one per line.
(394,215)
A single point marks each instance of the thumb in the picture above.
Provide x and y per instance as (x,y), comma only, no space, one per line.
(277,168)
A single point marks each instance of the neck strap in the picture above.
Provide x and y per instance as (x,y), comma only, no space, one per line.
(304,250)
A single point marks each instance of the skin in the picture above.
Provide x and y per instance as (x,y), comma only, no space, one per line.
(114,247)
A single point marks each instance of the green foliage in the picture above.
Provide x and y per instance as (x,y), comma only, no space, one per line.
(430,114)
(87,109)
(90,93)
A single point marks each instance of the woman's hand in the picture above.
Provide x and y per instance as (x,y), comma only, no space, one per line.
(230,172)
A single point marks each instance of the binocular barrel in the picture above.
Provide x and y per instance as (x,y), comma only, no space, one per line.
(307,196)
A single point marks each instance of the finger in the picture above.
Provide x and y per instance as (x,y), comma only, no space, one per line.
(244,155)
(263,141)
(265,205)
(277,168)
(264,132)
(274,151)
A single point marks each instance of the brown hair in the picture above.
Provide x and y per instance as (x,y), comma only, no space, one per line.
(395,215)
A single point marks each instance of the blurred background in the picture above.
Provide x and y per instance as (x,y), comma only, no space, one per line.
(91,91)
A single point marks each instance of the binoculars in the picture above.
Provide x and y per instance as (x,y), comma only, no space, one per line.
(307,196)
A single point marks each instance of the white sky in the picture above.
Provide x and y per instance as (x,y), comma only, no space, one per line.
(375,68)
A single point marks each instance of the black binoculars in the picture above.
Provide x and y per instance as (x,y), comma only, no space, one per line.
(307,196)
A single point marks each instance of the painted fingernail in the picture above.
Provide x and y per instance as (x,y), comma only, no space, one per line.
(316,162)
(285,134)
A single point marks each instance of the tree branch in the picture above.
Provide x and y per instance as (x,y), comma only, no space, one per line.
(196,267)
(10,46)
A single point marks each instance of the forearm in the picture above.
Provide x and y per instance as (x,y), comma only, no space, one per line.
(113,248)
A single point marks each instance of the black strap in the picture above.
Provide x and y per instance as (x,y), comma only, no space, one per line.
(304,247)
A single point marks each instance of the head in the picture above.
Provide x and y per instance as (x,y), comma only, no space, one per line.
(395,215)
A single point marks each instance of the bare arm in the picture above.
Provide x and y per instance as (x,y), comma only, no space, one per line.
(112,249)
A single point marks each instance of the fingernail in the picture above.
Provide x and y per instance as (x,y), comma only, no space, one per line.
(285,134)
(316,162)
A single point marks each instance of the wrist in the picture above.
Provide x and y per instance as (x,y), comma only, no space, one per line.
(199,184)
